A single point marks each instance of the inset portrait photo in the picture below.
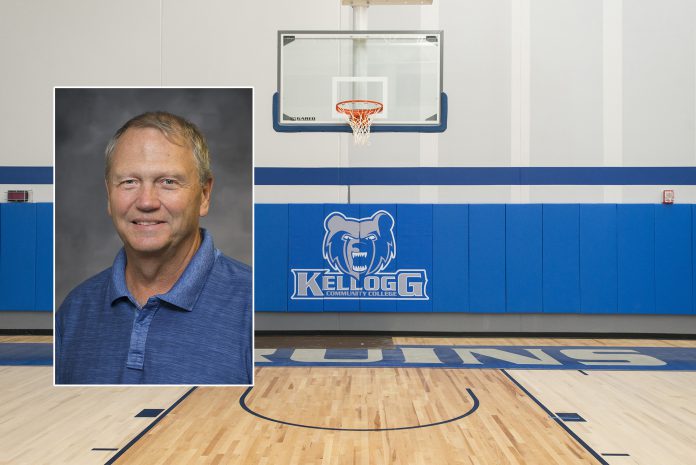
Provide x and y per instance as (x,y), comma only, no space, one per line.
(153,245)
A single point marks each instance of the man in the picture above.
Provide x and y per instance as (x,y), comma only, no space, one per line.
(172,309)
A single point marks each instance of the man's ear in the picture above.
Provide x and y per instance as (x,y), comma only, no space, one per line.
(205,200)
(108,197)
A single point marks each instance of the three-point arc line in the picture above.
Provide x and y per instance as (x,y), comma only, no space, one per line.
(242,403)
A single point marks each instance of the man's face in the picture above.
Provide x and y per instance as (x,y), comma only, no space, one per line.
(154,193)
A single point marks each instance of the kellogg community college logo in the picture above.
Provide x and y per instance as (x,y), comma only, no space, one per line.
(358,251)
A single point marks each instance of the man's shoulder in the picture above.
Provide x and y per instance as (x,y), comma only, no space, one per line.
(229,280)
(233,268)
(90,288)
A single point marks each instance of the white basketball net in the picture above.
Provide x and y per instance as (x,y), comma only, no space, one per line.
(360,124)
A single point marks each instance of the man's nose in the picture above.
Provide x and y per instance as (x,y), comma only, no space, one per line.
(148,198)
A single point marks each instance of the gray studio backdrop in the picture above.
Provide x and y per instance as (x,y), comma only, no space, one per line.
(85,120)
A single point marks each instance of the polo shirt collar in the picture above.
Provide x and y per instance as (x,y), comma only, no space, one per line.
(188,287)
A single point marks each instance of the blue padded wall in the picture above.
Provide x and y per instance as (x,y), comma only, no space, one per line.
(523,253)
(305,234)
(271,257)
(350,211)
(561,268)
(26,257)
(414,236)
(598,261)
(528,258)
(673,259)
(450,279)
(487,258)
(367,211)
(636,258)
(44,256)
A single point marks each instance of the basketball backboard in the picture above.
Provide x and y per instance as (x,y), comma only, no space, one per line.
(400,69)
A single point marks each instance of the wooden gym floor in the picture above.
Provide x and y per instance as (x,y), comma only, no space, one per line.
(361,414)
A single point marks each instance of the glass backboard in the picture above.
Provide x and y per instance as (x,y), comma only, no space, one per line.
(401,70)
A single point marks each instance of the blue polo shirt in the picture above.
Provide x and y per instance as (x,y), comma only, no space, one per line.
(197,333)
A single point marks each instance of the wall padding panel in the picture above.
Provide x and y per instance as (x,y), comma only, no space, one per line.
(26,257)
(367,211)
(491,258)
(414,238)
(349,211)
(598,260)
(487,258)
(44,256)
(636,258)
(561,244)
(523,263)
(271,257)
(673,259)
(305,233)
(450,279)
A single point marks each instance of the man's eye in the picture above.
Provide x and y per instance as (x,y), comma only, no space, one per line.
(168,182)
(128,182)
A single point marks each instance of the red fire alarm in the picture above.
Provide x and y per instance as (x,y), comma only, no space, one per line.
(668,196)
(17,196)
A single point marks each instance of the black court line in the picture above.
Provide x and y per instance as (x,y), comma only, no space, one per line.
(586,374)
(242,403)
(149,427)
(557,420)
(614,455)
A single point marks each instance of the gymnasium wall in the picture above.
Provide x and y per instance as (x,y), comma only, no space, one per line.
(531,83)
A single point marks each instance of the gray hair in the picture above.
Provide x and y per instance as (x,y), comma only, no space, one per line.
(177,130)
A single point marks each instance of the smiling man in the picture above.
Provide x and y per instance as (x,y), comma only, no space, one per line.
(172,309)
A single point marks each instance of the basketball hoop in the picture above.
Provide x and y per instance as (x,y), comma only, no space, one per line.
(359,114)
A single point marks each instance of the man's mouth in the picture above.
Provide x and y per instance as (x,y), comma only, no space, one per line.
(146,222)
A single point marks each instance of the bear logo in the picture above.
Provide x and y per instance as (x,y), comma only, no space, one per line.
(359,247)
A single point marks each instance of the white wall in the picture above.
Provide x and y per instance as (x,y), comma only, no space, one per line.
(530,83)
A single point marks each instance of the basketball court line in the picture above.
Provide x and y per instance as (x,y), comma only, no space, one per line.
(149,427)
(242,403)
(559,421)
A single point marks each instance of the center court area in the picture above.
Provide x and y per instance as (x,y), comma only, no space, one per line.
(570,401)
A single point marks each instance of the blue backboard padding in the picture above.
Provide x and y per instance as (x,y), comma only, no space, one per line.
(271,257)
(673,259)
(17,256)
(486,258)
(414,236)
(693,256)
(565,258)
(598,261)
(450,278)
(279,127)
(366,211)
(26,354)
(561,233)
(523,258)
(477,176)
(26,175)
(306,233)
(350,211)
(44,256)
(636,258)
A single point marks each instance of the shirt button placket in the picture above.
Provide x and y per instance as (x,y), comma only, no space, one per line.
(141,326)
